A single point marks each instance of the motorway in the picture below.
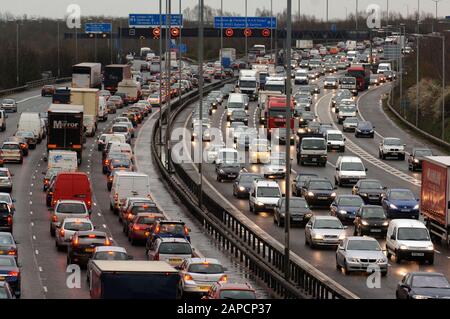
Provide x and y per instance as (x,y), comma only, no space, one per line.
(392,173)
(43,267)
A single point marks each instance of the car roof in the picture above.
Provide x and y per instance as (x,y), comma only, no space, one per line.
(70,201)
(110,248)
(203,260)
(326,217)
(334,132)
(72,220)
(173,240)
(412,223)
(353,159)
(233,286)
(266,183)
(362,238)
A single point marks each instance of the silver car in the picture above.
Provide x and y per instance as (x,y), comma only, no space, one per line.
(361,254)
(67,209)
(324,231)
(9,105)
(6,181)
(68,228)
(199,274)
(172,250)
(106,253)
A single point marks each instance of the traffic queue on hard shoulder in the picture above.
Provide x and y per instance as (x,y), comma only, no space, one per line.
(373,209)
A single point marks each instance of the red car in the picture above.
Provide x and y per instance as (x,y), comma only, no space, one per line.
(71,186)
(224,290)
(138,227)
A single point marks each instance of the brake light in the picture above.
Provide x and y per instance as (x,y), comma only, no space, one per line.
(62,232)
(54,218)
(130,216)
(224,278)
(13,274)
(106,162)
(136,227)
(75,241)
(107,242)
(147,233)
(12,253)
(10,220)
(92,236)
(188,277)
(46,181)
(157,229)
(186,231)
(89,203)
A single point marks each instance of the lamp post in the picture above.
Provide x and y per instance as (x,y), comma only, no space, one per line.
(167,60)
(246,26)
(58,48)
(356,15)
(436,4)
(160,78)
(179,60)
(200,91)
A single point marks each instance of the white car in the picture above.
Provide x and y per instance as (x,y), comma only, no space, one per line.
(69,226)
(6,181)
(276,168)
(350,124)
(264,195)
(330,83)
(335,140)
(349,170)
(172,250)
(9,104)
(199,274)
(346,111)
(106,253)
(324,231)
(213,150)
(392,147)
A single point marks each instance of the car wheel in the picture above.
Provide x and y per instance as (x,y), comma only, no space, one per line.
(398,258)
(338,267)
(345,269)
(384,273)
(388,254)
(52,232)
(431,261)
(250,208)
(280,222)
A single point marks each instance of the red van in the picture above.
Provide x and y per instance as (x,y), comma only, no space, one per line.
(72,186)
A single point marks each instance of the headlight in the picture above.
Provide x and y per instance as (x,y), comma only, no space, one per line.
(416,160)
(221,171)
(403,247)
(333,194)
(416,207)
(194,134)
(431,247)
(343,212)
(318,236)
(241,188)
(363,194)
(392,206)
(353,260)
(420,297)
(310,194)
(342,236)
(386,223)
(381,261)
(260,203)
(365,223)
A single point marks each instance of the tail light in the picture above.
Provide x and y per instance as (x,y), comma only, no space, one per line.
(147,233)
(188,277)
(12,252)
(13,274)
(157,229)
(54,202)
(130,216)
(89,203)
(186,231)
(156,257)
(62,232)
(10,220)
(107,242)
(224,278)
(75,241)
(46,181)
(136,227)
(92,236)
(106,162)
(54,218)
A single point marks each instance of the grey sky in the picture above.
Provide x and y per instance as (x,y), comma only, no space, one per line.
(337,8)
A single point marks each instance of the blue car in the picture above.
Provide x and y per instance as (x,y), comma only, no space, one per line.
(400,203)
(10,272)
(344,207)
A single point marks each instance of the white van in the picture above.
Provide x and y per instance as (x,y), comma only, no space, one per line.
(128,184)
(349,170)
(65,160)
(236,101)
(383,67)
(31,122)
(409,239)
(102,109)
(227,155)
(301,76)
(264,195)
(122,148)
(335,140)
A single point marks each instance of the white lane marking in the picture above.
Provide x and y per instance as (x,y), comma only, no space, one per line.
(32,224)
(34,237)
(29,98)
(45,289)
(104,226)
(36,252)
(437,251)
(31,202)
(40,269)
(31,193)
(99,214)
(31,213)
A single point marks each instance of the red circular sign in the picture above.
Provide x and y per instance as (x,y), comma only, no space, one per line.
(175,32)
(248,32)
(156,32)
(229,32)
(265,33)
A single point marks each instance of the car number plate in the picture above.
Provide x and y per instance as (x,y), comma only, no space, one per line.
(376,230)
(405,210)
(204,287)
(2,278)
(1,252)
(417,254)
(314,159)
(174,260)
(322,198)
(89,250)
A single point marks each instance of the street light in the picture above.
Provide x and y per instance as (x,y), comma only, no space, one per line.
(17,21)
(436,4)
(356,15)
(58,48)
(200,92)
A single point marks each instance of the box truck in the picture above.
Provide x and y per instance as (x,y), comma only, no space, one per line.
(133,279)
(87,75)
(131,88)
(304,44)
(65,128)
(89,98)
(114,74)
(227,56)
(435,195)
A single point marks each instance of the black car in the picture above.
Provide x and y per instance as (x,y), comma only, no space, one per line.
(280,136)
(83,245)
(5,291)
(370,220)
(319,192)
(227,171)
(416,157)
(10,272)
(305,118)
(364,129)
(370,190)
(243,184)
(300,182)
(239,116)
(298,209)
(8,245)
(423,285)
(6,218)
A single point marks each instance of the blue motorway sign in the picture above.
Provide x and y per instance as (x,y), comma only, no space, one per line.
(240,22)
(181,48)
(152,20)
(97,28)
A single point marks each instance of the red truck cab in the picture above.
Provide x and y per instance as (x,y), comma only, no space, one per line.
(276,114)
(72,186)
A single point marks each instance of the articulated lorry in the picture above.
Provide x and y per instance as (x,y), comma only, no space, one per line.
(87,75)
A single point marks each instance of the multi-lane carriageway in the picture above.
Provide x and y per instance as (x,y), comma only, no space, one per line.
(391,173)
(43,267)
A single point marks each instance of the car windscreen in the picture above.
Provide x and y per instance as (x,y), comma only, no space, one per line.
(235,105)
(272,192)
(313,144)
(3,174)
(144,209)
(206,268)
(247,84)
(335,137)
(120,129)
(394,142)
(239,113)
(350,201)
(8,262)
(319,185)
(248,179)
(328,224)
(411,233)
(401,195)
(373,212)
(352,166)
(5,240)
(423,153)
(430,282)
(175,248)
(77,226)
(5,198)
(237,294)
(363,245)
(110,255)
(295,203)
(11,147)
(370,185)
(147,220)
(66,208)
